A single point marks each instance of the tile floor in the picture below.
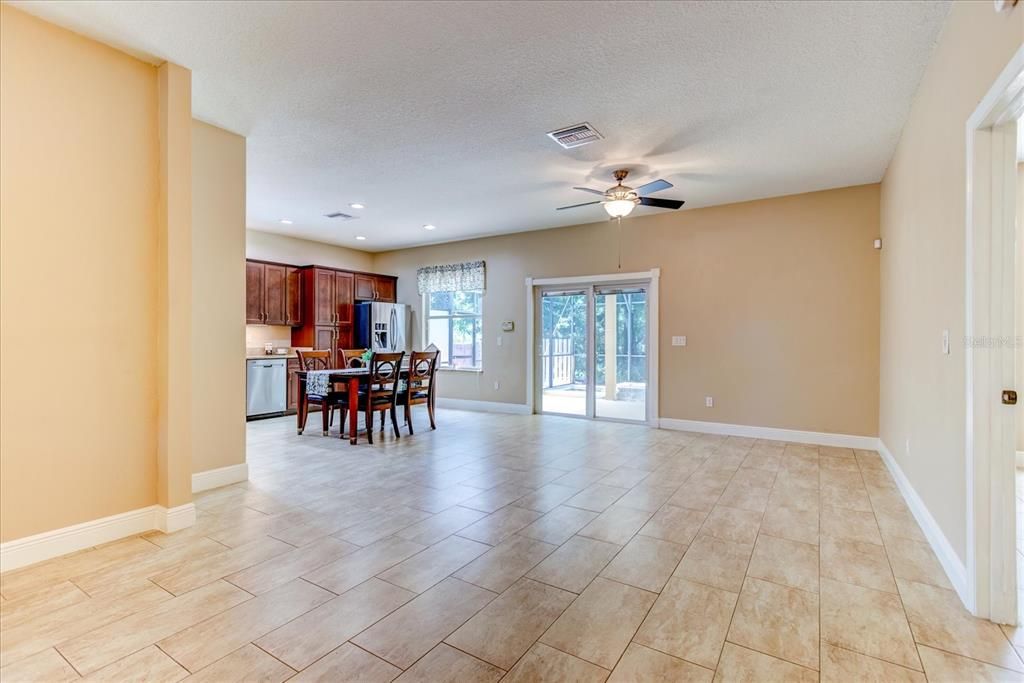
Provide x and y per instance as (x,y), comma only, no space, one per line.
(520,549)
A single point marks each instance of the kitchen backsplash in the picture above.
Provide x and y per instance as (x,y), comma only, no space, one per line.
(258,335)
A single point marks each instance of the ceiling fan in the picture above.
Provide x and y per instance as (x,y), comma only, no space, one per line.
(620,199)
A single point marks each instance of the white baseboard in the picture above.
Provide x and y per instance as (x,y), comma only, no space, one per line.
(169,520)
(222,476)
(483,406)
(1020,459)
(770,433)
(47,545)
(950,561)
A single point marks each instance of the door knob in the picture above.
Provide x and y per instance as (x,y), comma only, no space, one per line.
(1009,397)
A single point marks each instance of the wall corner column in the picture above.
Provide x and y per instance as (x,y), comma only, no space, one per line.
(174,290)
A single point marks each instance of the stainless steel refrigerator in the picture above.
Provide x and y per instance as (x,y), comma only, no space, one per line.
(382,328)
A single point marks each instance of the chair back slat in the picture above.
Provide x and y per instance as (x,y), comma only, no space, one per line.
(353,358)
(422,365)
(385,372)
(314,360)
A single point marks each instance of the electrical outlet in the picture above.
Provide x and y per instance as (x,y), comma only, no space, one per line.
(499,341)
(908,447)
(709,402)
(497,385)
(679,341)
(945,342)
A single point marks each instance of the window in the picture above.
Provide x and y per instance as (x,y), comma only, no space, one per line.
(454,325)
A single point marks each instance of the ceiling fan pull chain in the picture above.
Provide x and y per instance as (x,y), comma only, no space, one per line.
(619,221)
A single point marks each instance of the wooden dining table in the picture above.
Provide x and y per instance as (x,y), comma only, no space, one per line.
(352,378)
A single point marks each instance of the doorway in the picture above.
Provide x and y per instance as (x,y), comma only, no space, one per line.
(1019,363)
(990,586)
(594,356)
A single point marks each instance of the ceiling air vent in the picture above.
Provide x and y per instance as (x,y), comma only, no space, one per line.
(339,214)
(575,136)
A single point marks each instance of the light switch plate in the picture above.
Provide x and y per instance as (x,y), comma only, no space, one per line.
(709,402)
(945,342)
(678,341)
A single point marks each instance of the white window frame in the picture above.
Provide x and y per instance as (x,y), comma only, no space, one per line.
(425,329)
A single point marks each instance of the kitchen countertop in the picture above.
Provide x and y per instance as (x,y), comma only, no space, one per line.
(252,353)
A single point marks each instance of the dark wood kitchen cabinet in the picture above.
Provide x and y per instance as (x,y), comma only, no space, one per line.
(275,294)
(327,301)
(270,294)
(374,287)
(292,402)
(316,301)
(293,298)
(253,293)
(343,298)
(386,288)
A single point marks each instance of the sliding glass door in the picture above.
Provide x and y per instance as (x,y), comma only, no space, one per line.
(620,336)
(564,352)
(592,352)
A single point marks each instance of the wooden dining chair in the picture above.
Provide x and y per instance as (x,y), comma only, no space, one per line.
(321,360)
(382,390)
(352,358)
(419,388)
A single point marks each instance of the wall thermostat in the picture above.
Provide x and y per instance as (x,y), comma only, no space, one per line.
(508,326)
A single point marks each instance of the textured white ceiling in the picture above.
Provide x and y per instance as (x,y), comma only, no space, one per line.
(436,112)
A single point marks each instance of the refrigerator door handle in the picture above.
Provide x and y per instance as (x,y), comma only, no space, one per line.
(393,324)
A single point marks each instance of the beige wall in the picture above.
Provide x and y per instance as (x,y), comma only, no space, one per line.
(778,299)
(922,268)
(79,188)
(218,297)
(267,246)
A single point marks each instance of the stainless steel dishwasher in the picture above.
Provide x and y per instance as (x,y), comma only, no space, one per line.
(266,386)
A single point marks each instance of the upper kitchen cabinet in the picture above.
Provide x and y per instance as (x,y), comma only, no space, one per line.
(275,294)
(293,303)
(374,288)
(386,288)
(328,296)
(271,295)
(344,298)
(327,306)
(253,293)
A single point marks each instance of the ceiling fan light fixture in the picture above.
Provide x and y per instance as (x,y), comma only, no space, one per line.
(619,208)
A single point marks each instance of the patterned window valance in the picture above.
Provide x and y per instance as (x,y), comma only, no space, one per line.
(453,277)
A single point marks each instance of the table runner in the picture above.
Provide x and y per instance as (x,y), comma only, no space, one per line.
(318,382)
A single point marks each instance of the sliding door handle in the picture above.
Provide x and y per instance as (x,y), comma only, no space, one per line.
(1009,397)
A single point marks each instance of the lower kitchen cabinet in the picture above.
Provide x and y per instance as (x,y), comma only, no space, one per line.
(292,404)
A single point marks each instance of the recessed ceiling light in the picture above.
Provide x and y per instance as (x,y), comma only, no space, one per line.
(286,221)
(428,226)
(357,205)
(360,237)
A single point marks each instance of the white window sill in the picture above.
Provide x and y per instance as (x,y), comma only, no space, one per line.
(471,370)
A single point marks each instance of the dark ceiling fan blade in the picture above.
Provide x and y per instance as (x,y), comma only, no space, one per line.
(662,203)
(653,186)
(573,206)
(587,189)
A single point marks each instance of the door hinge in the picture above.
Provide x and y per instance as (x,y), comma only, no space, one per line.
(1009,397)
